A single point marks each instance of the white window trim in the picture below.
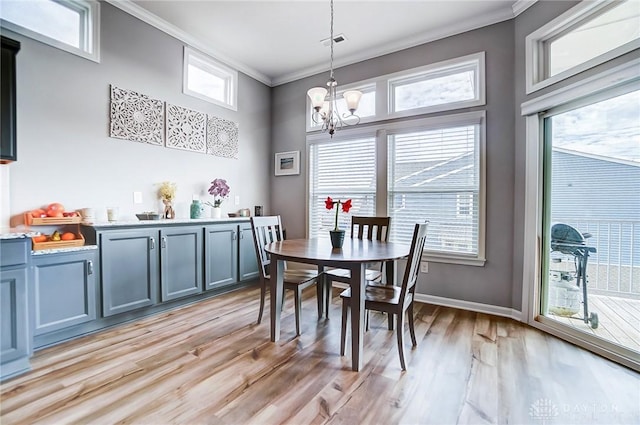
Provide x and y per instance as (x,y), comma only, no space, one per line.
(91,38)
(383,95)
(381,131)
(535,50)
(475,60)
(621,78)
(217,67)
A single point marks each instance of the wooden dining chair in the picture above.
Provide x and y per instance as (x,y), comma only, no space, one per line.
(267,229)
(371,228)
(391,299)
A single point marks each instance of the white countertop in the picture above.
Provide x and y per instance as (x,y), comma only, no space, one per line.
(165,222)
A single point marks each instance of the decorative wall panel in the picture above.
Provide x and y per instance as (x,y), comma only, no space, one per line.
(186,129)
(222,137)
(137,117)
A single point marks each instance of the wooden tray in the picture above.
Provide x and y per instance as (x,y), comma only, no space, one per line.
(78,241)
(50,221)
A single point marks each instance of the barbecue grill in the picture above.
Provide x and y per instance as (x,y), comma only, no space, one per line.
(569,241)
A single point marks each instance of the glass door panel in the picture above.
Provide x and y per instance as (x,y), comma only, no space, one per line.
(591,263)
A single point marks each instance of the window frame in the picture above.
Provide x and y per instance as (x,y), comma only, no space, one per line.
(89,37)
(617,80)
(381,131)
(382,86)
(536,51)
(475,62)
(216,68)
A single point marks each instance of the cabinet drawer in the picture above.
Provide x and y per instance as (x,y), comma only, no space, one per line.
(14,252)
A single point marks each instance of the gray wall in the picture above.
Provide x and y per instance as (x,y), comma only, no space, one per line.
(491,284)
(66,154)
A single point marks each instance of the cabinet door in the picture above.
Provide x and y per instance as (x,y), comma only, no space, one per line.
(247,256)
(221,255)
(64,290)
(181,262)
(14,338)
(129,265)
(8,148)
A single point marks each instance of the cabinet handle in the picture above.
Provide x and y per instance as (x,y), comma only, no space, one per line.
(90,267)
(234,236)
(164,242)
(152,242)
(241,235)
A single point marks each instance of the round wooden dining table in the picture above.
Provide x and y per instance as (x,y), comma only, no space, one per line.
(354,256)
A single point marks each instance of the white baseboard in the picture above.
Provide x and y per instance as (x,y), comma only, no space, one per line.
(462,305)
(471,306)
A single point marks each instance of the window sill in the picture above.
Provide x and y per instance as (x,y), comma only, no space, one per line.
(451,259)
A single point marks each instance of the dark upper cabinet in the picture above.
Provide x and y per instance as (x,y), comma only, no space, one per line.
(8,147)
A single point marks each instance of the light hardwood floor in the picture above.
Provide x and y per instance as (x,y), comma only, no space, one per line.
(210,363)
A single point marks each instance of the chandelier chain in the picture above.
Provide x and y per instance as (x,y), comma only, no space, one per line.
(331,40)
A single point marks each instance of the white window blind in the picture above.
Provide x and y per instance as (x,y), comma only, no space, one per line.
(341,169)
(434,175)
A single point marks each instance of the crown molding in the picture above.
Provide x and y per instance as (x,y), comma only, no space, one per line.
(478,22)
(144,15)
(384,49)
(521,5)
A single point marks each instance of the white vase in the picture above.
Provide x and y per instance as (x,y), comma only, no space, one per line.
(216,212)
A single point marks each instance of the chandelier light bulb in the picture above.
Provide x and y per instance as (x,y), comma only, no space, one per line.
(317,96)
(353,99)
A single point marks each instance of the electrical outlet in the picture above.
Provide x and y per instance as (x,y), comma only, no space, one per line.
(237,200)
(424,267)
(137,197)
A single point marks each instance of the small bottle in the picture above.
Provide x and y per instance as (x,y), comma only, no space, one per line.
(196,209)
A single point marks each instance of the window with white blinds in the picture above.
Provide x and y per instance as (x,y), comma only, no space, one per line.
(434,175)
(341,169)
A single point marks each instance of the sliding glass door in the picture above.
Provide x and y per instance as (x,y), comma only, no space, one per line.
(591,218)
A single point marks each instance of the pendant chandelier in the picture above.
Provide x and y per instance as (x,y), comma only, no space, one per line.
(324,101)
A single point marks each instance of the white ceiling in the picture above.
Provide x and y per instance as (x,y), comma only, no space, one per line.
(279,41)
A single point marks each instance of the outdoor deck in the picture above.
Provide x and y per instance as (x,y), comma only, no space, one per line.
(619,320)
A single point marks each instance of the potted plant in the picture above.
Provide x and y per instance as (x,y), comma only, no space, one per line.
(220,191)
(337,234)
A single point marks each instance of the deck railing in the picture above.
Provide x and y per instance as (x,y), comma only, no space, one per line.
(615,268)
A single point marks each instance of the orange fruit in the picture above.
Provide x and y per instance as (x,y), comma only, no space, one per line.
(37,213)
(40,238)
(68,236)
(56,207)
(54,213)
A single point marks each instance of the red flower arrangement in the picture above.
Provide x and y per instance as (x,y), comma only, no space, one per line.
(330,203)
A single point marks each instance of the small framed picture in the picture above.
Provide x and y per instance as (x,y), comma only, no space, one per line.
(287,163)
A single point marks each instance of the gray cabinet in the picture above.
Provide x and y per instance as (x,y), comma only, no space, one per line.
(129,269)
(221,255)
(248,263)
(14,314)
(181,262)
(64,290)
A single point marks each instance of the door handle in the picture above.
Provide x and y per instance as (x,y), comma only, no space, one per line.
(164,242)
(152,243)
(233,236)
(89,267)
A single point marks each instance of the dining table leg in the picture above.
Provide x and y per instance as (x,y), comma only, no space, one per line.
(277,290)
(357,315)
